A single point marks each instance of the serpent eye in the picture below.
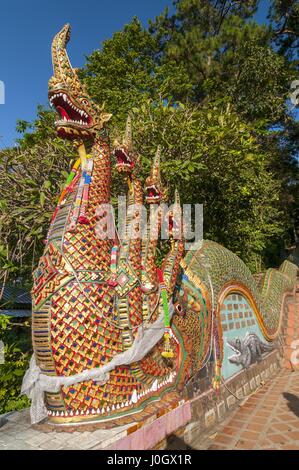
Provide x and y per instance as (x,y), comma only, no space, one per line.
(180,309)
(85,102)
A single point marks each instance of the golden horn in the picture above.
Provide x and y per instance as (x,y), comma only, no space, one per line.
(61,62)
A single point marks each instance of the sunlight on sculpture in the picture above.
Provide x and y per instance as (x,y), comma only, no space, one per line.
(114,333)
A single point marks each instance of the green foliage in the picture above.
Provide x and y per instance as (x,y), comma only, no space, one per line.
(212,157)
(284,16)
(31,177)
(262,84)
(211,52)
(17,350)
(209,84)
(121,73)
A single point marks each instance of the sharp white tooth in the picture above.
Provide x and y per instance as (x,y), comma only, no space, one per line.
(98,411)
(77,413)
(134,398)
(57,413)
(155,386)
(122,405)
(93,412)
(117,406)
(108,409)
(49,413)
(127,403)
(72,413)
(65,97)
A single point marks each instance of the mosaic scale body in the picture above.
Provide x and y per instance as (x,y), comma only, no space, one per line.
(91,294)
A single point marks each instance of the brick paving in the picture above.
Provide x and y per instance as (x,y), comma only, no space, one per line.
(268,420)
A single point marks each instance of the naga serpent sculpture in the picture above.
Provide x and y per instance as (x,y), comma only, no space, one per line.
(96,299)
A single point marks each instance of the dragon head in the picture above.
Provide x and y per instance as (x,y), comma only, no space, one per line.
(153,186)
(80,117)
(123,150)
(236,346)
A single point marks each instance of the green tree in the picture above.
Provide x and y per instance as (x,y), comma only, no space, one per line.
(207,51)
(212,157)
(31,176)
(17,350)
(211,85)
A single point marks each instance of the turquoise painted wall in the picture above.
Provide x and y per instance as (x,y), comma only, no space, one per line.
(237,319)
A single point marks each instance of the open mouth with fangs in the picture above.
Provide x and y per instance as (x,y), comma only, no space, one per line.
(73,120)
(152,193)
(123,160)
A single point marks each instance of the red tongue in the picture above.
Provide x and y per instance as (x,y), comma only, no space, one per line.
(62,112)
(151,193)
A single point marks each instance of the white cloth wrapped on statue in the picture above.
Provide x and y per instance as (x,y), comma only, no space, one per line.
(35,383)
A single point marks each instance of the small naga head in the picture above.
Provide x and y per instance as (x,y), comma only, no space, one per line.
(80,117)
(153,187)
(123,150)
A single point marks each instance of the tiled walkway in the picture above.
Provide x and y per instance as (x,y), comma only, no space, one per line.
(269,419)
(18,434)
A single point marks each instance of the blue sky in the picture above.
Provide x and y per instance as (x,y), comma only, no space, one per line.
(27,28)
